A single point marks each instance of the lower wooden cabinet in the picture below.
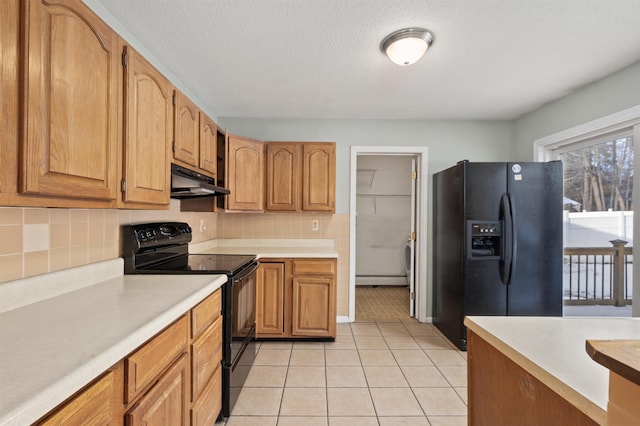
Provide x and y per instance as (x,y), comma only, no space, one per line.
(206,409)
(175,378)
(270,299)
(145,364)
(167,401)
(206,360)
(100,403)
(296,298)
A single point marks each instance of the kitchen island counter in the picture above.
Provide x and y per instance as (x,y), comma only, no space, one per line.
(552,350)
(51,348)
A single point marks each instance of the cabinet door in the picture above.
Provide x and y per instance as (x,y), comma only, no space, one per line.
(314,306)
(208,143)
(167,401)
(148,130)
(70,128)
(270,299)
(10,40)
(245,174)
(283,176)
(186,128)
(318,176)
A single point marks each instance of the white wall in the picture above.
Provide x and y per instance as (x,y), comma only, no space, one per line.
(609,95)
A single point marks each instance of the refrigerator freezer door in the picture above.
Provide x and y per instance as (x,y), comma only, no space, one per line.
(448,189)
(536,196)
(482,288)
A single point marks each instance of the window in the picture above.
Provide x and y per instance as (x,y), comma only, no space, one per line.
(598,161)
(599,176)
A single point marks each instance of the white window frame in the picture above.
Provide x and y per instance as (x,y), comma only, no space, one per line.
(543,150)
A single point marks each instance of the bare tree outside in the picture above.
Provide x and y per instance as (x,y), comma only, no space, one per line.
(600,177)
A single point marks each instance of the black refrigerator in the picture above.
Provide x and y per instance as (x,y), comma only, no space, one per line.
(497,231)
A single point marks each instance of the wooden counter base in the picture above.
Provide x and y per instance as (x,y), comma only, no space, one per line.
(502,393)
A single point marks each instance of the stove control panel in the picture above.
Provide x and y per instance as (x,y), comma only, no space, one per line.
(149,235)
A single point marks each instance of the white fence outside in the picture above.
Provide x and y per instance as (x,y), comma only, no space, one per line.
(596,229)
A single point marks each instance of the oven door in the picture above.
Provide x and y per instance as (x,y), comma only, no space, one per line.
(239,348)
(243,311)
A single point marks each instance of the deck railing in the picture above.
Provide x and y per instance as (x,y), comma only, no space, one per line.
(598,275)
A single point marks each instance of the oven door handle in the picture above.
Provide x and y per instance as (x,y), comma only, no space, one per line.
(245,272)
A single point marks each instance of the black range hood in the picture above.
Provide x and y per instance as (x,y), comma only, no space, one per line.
(187,183)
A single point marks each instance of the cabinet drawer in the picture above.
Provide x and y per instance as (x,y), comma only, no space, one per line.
(145,365)
(205,313)
(91,406)
(314,267)
(206,409)
(206,354)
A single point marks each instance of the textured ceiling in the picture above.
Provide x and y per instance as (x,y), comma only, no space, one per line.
(491,59)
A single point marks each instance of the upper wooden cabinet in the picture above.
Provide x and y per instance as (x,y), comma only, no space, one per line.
(9,66)
(186,142)
(283,183)
(319,176)
(208,143)
(148,131)
(245,174)
(301,176)
(195,136)
(70,101)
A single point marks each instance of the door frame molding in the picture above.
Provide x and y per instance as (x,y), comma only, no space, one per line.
(422,192)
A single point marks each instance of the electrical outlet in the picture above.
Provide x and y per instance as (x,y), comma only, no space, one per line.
(203,227)
(315,225)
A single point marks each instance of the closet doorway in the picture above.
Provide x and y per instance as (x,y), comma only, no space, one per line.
(385,223)
(388,255)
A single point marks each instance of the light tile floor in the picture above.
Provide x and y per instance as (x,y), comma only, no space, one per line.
(375,373)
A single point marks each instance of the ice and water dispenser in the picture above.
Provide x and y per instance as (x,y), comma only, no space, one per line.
(484,239)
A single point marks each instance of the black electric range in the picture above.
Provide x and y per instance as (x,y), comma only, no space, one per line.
(163,248)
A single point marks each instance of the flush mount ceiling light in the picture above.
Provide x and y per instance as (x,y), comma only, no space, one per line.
(406,46)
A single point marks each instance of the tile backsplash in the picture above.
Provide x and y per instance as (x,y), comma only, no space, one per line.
(40,240)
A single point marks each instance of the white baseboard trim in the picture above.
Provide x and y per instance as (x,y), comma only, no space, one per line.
(340,319)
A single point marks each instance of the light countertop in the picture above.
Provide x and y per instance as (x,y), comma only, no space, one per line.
(50,348)
(269,248)
(61,330)
(553,351)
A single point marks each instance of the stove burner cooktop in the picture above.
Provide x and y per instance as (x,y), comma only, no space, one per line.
(228,264)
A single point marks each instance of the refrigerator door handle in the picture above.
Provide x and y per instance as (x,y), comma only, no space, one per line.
(507,215)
